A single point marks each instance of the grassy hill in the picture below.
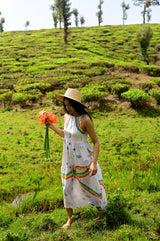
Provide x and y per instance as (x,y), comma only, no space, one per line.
(105,64)
(35,63)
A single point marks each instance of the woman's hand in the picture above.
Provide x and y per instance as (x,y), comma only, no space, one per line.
(48,122)
(93,169)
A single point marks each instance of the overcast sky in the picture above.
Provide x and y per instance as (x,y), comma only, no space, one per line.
(38,13)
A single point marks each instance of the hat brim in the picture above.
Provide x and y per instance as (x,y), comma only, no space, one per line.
(61,98)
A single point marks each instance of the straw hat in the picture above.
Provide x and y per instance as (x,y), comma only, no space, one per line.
(72,94)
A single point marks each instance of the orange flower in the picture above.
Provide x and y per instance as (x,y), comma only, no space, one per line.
(43,115)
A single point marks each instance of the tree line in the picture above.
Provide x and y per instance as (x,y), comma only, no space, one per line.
(61,13)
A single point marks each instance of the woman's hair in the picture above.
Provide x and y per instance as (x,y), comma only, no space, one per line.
(77,106)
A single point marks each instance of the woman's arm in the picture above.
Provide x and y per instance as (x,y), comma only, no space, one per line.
(89,128)
(59,131)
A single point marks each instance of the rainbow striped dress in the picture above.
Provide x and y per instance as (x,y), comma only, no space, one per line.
(79,188)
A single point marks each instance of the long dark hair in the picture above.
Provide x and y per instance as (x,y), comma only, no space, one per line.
(77,106)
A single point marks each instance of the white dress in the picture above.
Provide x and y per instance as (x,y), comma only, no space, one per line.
(79,188)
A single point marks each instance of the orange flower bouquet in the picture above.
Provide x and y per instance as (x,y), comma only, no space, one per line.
(43,116)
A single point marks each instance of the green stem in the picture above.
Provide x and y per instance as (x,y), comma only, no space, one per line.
(46,145)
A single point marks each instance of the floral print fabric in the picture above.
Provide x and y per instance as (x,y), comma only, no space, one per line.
(79,188)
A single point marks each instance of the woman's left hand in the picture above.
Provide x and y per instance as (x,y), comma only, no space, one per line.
(93,169)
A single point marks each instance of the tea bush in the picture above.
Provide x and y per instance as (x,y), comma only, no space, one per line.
(43,87)
(144,37)
(93,92)
(146,85)
(114,80)
(157,81)
(6,98)
(155,93)
(2,91)
(22,98)
(119,88)
(138,98)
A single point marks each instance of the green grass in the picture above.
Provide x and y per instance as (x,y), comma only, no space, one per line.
(129,158)
(36,64)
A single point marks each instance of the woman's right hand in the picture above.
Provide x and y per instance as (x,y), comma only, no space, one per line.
(47,122)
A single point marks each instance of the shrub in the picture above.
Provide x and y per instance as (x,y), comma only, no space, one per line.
(146,85)
(93,92)
(6,98)
(151,70)
(138,98)
(144,36)
(118,89)
(157,81)
(2,91)
(155,93)
(22,98)
(43,87)
(116,81)
(157,47)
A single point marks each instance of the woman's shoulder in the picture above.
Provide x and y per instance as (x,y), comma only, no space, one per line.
(84,119)
(66,116)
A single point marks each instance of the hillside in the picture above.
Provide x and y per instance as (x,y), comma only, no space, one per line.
(123,96)
(33,64)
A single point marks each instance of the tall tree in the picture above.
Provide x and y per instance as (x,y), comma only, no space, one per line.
(63,11)
(27,24)
(125,7)
(66,13)
(148,15)
(146,4)
(2,21)
(100,12)
(57,11)
(75,13)
(82,20)
(55,19)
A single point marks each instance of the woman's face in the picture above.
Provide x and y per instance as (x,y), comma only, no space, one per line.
(69,108)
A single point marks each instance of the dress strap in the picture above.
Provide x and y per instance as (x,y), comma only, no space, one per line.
(79,126)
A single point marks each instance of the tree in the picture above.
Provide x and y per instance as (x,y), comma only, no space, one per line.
(82,20)
(66,13)
(27,24)
(100,12)
(2,21)
(75,13)
(62,8)
(146,5)
(144,36)
(55,19)
(57,11)
(125,7)
(148,15)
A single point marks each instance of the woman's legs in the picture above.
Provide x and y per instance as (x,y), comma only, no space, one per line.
(100,214)
(70,220)
(69,213)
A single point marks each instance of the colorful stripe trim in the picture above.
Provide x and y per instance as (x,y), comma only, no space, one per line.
(90,152)
(80,175)
(78,126)
(101,182)
(67,176)
(84,167)
(75,174)
(91,191)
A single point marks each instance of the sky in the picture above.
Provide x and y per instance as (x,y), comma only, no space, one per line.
(39,14)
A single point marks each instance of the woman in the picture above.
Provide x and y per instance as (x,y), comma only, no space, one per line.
(81,174)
